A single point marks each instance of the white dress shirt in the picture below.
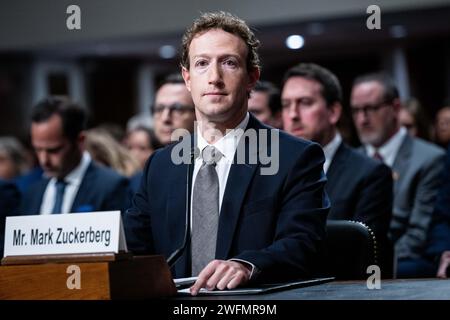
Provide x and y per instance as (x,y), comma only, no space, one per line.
(227,146)
(330,150)
(73,181)
(389,150)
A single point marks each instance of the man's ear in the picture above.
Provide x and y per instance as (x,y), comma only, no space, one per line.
(396,105)
(335,113)
(253,76)
(81,140)
(186,77)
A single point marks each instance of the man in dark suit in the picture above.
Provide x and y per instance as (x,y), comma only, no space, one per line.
(247,223)
(265,104)
(436,259)
(9,205)
(72,182)
(359,188)
(417,165)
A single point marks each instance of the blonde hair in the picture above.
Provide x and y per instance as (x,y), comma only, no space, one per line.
(14,149)
(106,150)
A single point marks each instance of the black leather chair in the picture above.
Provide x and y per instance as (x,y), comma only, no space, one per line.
(350,247)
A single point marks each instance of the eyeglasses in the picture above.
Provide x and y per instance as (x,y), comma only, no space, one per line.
(176,109)
(368,110)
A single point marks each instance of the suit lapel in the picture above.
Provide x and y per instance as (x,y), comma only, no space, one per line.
(336,168)
(401,162)
(84,190)
(176,214)
(239,179)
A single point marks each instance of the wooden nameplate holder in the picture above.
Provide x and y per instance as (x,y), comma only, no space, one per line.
(102,276)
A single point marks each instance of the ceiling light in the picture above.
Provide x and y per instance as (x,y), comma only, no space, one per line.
(167,52)
(295,42)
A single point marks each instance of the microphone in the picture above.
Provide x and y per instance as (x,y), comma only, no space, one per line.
(175,256)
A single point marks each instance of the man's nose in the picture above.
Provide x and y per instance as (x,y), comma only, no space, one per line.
(215,74)
(44,158)
(293,112)
(166,115)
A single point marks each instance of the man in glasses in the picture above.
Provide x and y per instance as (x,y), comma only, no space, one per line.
(173,108)
(417,166)
(359,188)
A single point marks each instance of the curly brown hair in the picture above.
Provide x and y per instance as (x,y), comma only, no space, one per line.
(227,22)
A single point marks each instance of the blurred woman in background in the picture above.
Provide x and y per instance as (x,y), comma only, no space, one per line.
(415,119)
(442,127)
(104,149)
(14,160)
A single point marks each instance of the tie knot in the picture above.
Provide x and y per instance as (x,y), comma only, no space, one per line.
(60,183)
(211,155)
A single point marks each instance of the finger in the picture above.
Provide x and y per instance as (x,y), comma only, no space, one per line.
(226,278)
(203,277)
(442,269)
(221,270)
(239,278)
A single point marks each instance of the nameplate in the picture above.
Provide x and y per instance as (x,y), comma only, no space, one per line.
(88,232)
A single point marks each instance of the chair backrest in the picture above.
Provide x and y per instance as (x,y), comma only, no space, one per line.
(350,247)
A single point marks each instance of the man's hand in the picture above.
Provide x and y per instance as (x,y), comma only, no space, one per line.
(443,264)
(221,274)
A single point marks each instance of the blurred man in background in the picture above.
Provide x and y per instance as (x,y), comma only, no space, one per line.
(72,182)
(416,164)
(264,103)
(173,108)
(359,188)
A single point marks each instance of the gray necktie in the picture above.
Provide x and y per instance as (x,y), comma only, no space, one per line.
(205,211)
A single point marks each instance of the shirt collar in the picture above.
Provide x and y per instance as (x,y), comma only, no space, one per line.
(227,145)
(330,150)
(390,149)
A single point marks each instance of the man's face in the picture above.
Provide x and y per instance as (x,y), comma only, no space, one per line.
(407,120)
(56,154)
(139,144)
(443,126)
(305,113)
(174,109)
(258,105)
(218,78)
(375,120)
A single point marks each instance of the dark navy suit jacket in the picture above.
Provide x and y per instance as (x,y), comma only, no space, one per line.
(360,189)
(101,189)
(9,205)
(277,222)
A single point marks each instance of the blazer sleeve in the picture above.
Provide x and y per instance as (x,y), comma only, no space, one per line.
(9,205)
(303,206)
(412,242)
(120,195)
(137,223)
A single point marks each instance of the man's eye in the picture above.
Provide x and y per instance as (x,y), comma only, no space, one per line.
(201,63)
(306,102)
(230,63)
